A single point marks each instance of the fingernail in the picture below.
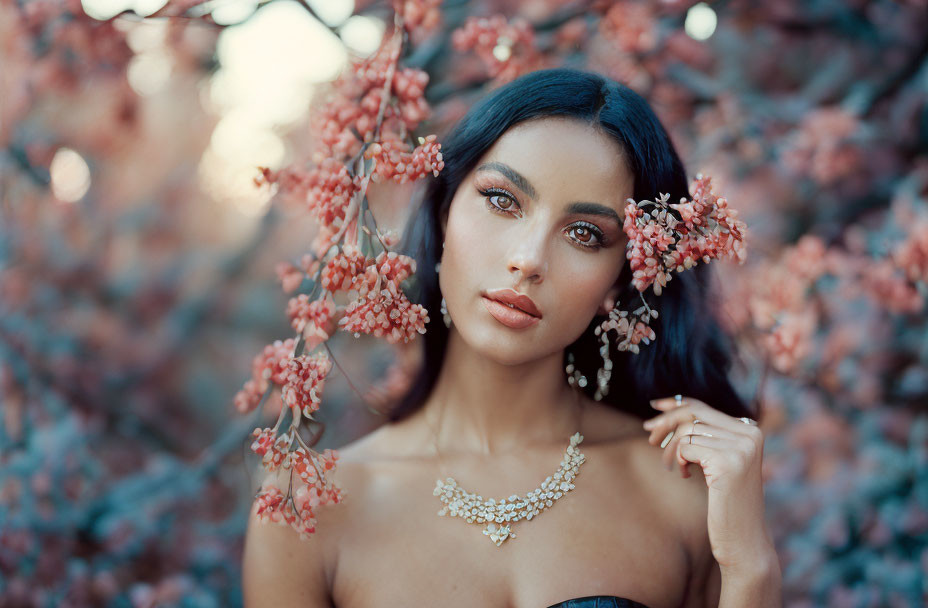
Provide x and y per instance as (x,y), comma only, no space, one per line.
(648,424)
(667,439)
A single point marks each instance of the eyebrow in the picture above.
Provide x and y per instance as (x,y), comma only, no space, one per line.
(523,184)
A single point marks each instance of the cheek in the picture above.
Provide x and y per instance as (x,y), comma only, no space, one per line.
(468,227)
(465,252)
(579,294)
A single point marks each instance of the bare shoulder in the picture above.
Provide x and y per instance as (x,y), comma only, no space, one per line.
(683,503)
(280,568)
(682,500)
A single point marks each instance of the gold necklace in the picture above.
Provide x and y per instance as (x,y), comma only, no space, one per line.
(500,514)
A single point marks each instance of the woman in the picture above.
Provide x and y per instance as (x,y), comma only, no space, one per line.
(520,242)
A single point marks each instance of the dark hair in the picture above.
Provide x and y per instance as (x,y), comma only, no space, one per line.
(691,354)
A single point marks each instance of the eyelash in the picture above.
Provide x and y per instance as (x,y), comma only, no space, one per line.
(592,228)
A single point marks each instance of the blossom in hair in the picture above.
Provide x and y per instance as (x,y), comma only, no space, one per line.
(661,243)
(665,238)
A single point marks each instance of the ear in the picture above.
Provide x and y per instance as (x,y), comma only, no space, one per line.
(608,301)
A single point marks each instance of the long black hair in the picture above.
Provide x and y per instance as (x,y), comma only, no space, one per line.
(691,354)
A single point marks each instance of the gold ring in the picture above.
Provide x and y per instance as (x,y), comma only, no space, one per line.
(693,432)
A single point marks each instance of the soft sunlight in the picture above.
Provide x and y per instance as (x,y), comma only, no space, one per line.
(362,34)
(107,9)
(700,21)
(70,175)
(269,68)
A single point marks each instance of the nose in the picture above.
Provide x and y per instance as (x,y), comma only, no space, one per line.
(528,264)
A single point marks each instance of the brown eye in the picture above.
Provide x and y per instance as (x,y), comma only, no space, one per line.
(582,233)
(493,193)
(504,198)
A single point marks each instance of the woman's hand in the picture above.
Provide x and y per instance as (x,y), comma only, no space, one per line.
(729,450)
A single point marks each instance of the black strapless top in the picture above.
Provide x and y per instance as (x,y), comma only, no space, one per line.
(598,601)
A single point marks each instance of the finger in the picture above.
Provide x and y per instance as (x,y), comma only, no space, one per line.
(662,431)
(698,409)
(681,435)
(701,434)
(698,454)
(666,403)
(700,438)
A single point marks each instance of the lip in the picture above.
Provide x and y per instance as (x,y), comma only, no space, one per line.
(509,296)
(510,317)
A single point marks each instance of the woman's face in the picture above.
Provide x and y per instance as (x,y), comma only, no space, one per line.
(541,214)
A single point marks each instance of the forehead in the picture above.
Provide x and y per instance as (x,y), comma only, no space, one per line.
(558,152)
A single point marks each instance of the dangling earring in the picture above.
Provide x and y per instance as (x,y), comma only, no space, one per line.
(444,306)
(604,373)
(573,374)
(444,313)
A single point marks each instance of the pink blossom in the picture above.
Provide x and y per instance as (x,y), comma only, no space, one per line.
(303,389)
(385,313)
(271,448)
(314,319)
(631,26)
(506,47)
(269,365)
(396,163)
(790,341)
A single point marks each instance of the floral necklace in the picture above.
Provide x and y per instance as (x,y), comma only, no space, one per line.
(498,515)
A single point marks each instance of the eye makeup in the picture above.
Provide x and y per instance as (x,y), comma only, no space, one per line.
(592,229)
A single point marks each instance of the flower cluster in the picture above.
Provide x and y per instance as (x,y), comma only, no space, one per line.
(303,388)
(630,26)
(313,319)
(420,17)
(394,162)
(295,507)
(506,47)
(382,308)
(270,365)
(363,135)
(824,146)
(665,238)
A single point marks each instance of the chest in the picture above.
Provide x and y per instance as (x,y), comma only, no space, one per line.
(602,538)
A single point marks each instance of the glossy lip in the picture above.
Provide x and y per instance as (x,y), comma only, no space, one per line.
(509,296)
(510,317)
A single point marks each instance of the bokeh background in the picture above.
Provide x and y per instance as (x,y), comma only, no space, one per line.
(142,263)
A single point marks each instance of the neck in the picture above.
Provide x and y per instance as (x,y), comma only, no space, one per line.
(482,406)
